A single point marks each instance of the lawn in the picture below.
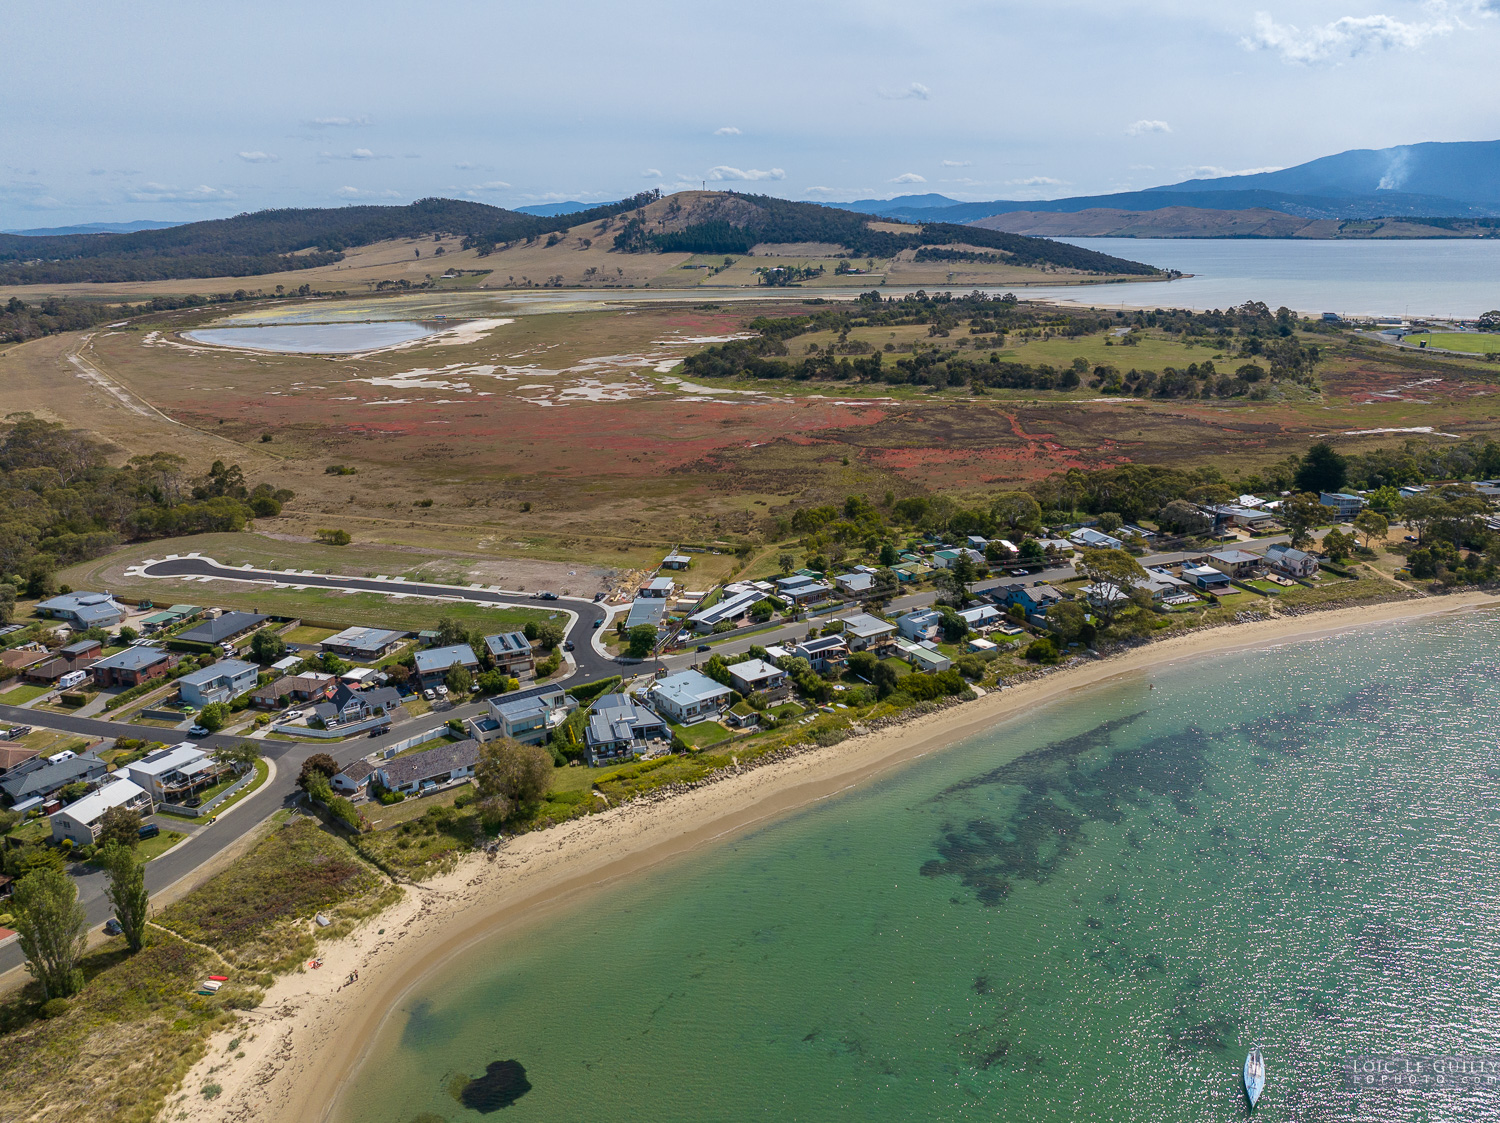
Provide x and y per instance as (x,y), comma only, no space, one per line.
(703,734)
(1477,343)
(308,635)
(262,770)
(50,741)
(382,817)
(23,693)
(791,709)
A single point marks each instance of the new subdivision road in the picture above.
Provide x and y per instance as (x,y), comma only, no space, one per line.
(591,663)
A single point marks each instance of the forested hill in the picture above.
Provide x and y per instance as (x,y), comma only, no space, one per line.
(266,241)
(730,223)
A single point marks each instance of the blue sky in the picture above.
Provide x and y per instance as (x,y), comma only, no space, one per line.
(189,110)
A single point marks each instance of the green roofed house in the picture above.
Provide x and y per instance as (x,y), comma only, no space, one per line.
(169,617)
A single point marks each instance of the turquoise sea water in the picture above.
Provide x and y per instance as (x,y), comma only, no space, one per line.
(1091,912)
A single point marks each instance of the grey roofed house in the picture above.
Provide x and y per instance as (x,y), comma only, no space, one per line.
(353,777)
(509,649)
(134,658)
(364,643)
(862,629)
(40,777)
(689,694)
(646,610)
(619,726)
(435,661)
(223,628)
(87,610)
(447,761)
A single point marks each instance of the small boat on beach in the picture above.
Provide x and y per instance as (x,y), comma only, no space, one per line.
(1255,1075)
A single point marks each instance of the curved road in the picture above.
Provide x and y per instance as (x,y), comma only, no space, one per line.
(591,663)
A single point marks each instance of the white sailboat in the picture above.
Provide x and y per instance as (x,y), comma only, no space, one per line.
(1255,1075)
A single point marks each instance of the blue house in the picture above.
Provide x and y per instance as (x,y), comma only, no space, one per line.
(218,682)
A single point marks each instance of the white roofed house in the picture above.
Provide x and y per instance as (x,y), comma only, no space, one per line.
(855,584)
(919,625)
(862,631)
(800,588)
(79,822)
(732,607)
(1238,564)
(756,675)
(982,618)
(1093,539)
(173,773)
(689,696)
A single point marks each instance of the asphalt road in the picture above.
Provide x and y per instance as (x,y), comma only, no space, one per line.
(591,664)
(207,841)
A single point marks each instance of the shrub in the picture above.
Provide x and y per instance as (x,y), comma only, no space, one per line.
(55,1008)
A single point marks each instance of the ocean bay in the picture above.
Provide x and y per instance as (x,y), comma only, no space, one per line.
(1092,909)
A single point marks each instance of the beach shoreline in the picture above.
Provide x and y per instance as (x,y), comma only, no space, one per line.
(299,1050)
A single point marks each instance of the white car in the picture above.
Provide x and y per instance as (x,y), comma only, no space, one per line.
(428,694)
(197,731)
(442,692)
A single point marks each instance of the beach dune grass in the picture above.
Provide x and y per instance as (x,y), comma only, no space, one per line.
(255,912)
(119,1047)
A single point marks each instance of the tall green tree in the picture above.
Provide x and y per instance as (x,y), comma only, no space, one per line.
(120,826)
(1372,526)
(511,776)
(127,892)
(50,923)
(1112,572)
(266,647)
(1322,469)
(642,641)
(1301,513)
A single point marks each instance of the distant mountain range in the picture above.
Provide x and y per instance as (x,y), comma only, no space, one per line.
(1435,179)
(95,228)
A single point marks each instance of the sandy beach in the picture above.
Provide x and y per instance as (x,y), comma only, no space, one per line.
(306,1040)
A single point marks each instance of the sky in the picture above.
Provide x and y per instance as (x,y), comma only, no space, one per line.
(172,111)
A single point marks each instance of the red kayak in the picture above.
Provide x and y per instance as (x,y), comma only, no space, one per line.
(218,978)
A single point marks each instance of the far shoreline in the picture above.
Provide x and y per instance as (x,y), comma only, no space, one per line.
(310,1042)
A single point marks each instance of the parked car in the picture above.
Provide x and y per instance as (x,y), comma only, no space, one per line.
(704,647)
(428,694)
(567,645)
(598,597)
(149,830)
(197,731)
(544,595)
(112,927)
(380,731)
(598,623)
(442,691)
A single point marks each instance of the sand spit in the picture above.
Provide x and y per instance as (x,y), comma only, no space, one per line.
(307,1039)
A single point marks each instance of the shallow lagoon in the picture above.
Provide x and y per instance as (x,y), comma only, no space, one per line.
(313,339)
(1090,913)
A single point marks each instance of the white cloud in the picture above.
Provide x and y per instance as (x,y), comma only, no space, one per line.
(915,91)
(1038,181)
(161,193)
(338,122)
(1348,37)
(651,173)
(910,177)
(958,163)
(723,171)
(361,154)
(727,130)
(492,185)
(355,154)
(1209,171)
(1145,128)
(258,157)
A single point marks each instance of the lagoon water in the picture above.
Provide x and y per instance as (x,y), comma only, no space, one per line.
(313,339)
(1088,914)
(1458,277)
